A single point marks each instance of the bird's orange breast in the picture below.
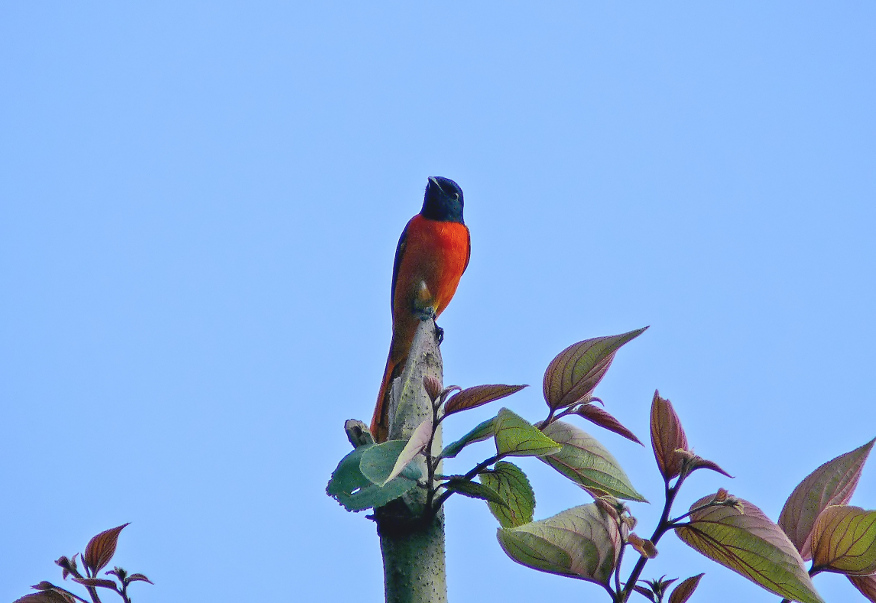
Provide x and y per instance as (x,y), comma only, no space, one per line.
(435,256)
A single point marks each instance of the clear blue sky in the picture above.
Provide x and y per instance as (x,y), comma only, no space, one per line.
(200,206)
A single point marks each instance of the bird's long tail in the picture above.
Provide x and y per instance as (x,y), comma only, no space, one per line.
(380,420)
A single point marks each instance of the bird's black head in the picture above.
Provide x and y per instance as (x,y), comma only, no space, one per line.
(443,200)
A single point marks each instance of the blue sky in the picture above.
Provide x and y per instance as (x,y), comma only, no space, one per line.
(200,206)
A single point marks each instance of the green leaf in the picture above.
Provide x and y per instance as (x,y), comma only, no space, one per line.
(514,491)
(573,375)
(831,484)
(515,436)
(349,486)
(587,463)
(750,544)
(474,490)
(844,541)
(418,442)
(481,432)
(582,542)
(378,461)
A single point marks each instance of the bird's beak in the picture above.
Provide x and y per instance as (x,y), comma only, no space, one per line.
(435,183)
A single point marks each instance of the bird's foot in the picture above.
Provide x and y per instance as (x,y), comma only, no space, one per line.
(439,334)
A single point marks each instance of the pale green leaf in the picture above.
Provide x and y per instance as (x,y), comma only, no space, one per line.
(587,462)
(750,544)
(582,542)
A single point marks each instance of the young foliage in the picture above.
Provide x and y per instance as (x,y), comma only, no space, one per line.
(515,436)
(667,437)
(685,590)
(356,492)
(98,553)
(833,483)
(581,542)
(866,585)
(479,395)
(474,490)
(512,486)
(588,463)
(576,371)
(844,541)
(480,433)
(602,418)
(743,539)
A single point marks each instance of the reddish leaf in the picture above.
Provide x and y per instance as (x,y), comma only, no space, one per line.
(844,541)
(478,395)
(139,578)
(684,590)
(866,585)
(645,592)
(743,539)
(598,416)
(698,462)
(46,596)
(831,484)
(49,593)
(96,582)
(101,548)
(667,436)
(432,386)
(575,372)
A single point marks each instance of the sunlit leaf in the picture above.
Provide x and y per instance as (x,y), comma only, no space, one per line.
(844,541)
(515,436)
(479,395)
(482,432)
(574,373)
(587,462)
(582,542)
(100,549)
(684,590)
(513,488)
(831,484)
(750,544)
(667,436)
(356,492)
(601,417)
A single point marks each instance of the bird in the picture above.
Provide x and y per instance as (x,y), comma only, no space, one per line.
(432,253)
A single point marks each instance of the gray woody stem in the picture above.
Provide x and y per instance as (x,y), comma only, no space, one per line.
(411,537)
